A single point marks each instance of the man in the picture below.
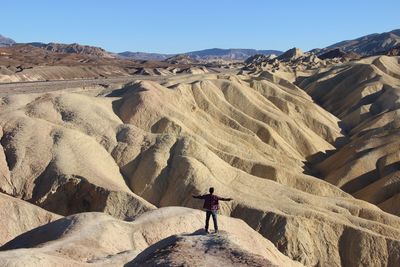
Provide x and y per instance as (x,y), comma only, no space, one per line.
(211,206)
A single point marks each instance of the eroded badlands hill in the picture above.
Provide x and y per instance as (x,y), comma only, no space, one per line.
(151,145)
(365,96)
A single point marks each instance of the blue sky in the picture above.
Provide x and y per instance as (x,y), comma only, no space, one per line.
(175,26)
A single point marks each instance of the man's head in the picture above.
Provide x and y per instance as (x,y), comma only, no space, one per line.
(211,190)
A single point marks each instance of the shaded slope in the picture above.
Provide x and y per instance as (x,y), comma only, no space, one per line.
(365,95)
(370,44)
(18,217)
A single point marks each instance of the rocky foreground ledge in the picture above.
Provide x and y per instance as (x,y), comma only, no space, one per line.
(171,236)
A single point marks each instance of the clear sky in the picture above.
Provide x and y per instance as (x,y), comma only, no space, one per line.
(175,26)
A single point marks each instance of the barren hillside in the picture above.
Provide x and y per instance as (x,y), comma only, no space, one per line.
(365,96)
(255,137)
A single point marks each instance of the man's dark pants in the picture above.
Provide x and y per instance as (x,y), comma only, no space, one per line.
(212,213)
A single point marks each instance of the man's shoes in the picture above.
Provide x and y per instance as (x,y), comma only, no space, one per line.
(216,232)
(207,232)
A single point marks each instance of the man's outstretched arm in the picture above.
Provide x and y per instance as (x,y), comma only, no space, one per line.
(199,197)
(225,199)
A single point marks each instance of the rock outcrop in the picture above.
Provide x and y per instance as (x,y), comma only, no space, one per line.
(100,240)
(291,54)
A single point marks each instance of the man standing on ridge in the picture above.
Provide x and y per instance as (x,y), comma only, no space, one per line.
(211,206)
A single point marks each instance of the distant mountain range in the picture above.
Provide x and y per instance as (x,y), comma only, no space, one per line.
(371,44)
(206,54)
(5,41)
(144,55)
(377,43)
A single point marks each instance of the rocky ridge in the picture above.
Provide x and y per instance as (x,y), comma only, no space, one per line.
(368,45)
(74,49)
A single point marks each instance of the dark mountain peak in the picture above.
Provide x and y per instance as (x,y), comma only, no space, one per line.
(5,41)
(368,45)
(73,48)
(291,54)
